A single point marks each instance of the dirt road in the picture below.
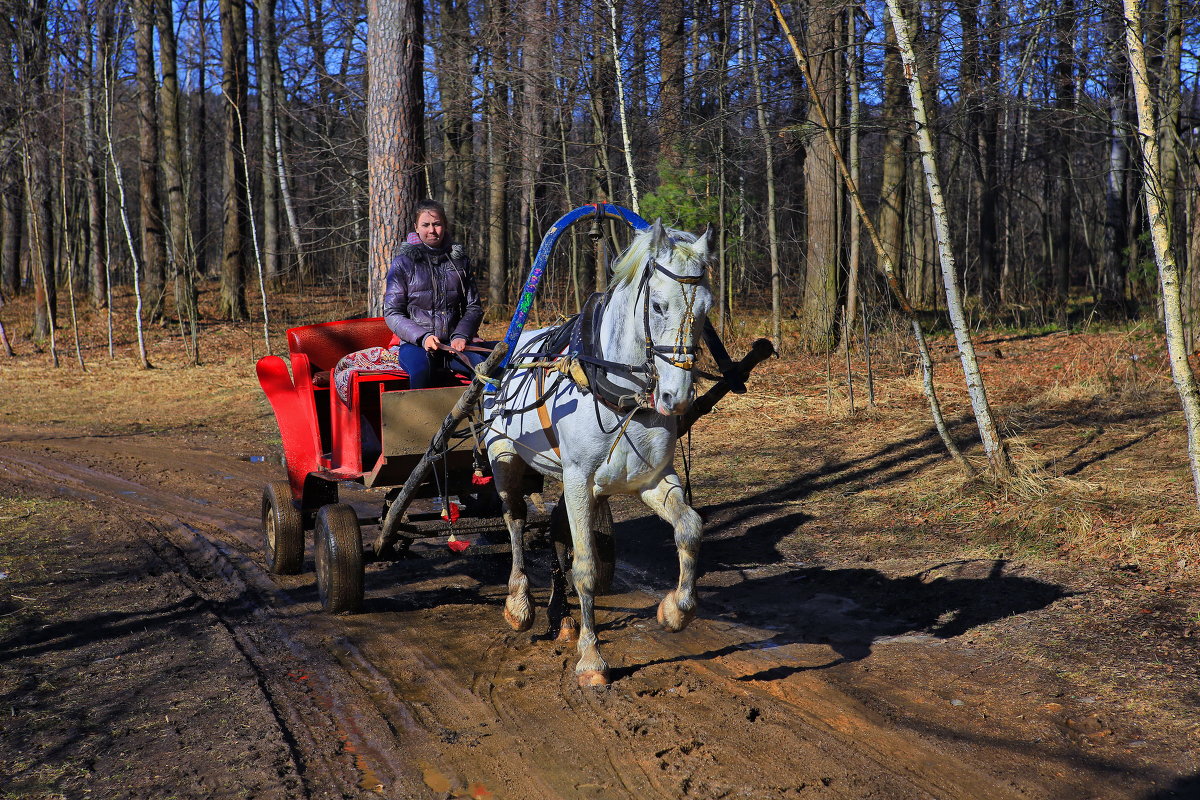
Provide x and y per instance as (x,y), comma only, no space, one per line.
(798,679)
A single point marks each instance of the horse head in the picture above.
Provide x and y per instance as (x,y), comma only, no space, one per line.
(675,299)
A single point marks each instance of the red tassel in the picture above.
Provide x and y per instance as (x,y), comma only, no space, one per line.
(479,479)
(457,545)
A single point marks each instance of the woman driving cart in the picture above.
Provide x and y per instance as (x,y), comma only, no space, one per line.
(430,304)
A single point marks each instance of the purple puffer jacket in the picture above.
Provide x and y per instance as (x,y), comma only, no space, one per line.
(431,292)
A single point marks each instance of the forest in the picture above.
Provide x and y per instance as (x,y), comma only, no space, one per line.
(172,148)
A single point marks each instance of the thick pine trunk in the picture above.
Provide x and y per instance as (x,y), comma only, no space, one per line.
(819,306)
(394,144)
(154,259)
(670,98)
(233,179)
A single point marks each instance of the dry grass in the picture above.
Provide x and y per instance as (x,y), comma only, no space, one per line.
(1090,419)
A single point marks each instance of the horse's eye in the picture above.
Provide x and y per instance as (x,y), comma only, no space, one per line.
(658,309)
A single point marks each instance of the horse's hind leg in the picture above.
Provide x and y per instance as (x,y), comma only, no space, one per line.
(666,499)
(591,669)
(508,470)
(562,626)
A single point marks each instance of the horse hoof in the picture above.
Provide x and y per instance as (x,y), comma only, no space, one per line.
(518,614)
(671,617)
(593,677)
(568,632)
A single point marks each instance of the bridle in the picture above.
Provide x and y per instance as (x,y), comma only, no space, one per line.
(584,346)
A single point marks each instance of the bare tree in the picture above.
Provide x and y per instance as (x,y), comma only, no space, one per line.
(1160,232)
(268,65)
(881,253)
(32,75)
(993,444)
(149,205)
(769,156)
(819,306)
(92,168)
(233,177)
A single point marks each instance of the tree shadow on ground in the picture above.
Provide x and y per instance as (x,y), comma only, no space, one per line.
(852,609)
(1186,788)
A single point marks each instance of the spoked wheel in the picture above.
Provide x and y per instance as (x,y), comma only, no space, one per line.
(283,530)
(339,557)
(603,544)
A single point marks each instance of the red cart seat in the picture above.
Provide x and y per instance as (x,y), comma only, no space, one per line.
(322,345)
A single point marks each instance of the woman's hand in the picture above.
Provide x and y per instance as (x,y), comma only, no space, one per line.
(431,343)
(458,344)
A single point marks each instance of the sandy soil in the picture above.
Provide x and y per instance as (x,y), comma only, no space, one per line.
(856,638)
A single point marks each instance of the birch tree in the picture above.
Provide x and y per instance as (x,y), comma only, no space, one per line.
(1160,235)
(993,444)
(885,260)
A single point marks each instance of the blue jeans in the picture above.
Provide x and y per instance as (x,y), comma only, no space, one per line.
(419,363)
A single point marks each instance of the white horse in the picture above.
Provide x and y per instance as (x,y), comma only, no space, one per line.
(633,348)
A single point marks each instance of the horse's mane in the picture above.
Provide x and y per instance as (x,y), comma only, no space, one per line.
(628,265)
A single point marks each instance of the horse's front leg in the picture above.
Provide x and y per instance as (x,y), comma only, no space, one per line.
(666,499)
(591,669)
(508,469)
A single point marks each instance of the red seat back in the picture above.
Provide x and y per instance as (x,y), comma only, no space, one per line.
(326,342)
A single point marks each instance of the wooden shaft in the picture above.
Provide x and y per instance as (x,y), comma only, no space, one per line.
(760,351)
(390,528)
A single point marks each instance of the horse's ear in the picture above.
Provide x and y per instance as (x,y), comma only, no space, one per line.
(659,238)
(704,242)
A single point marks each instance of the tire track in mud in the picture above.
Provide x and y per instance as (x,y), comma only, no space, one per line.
(329,729)
(428,694)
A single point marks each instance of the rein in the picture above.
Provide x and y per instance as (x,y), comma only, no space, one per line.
(572,349)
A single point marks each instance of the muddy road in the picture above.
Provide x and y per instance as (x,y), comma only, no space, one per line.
(799,678)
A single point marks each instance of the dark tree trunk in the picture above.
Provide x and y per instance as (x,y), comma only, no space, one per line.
(200,126)
(1062,139)
(95,200)
(394,139)
(893,190)
(821,185)
(233,180)
(32,77)
(11,193)
(267,66)
(153,247)
(1116,215)
(671,54)
(455,75)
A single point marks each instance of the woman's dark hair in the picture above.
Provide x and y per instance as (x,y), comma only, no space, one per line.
(431,205)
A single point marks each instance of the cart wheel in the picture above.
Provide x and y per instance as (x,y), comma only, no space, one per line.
(339,557)
(283,530)
(605,546)
(603,542)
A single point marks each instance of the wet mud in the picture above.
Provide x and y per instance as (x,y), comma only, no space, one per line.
(798,678)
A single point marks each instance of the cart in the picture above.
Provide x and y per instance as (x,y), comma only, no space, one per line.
(391,436)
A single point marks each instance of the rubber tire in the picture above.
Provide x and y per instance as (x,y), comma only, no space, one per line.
(339,559)
(283,530)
